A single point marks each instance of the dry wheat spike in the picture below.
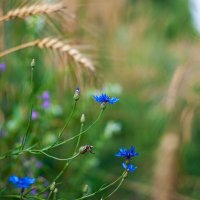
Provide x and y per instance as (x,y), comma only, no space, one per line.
(55,44)
(36,9)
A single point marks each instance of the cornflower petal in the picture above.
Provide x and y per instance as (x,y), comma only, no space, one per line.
(126,153)
(129,167)
(24,182)
(103,98)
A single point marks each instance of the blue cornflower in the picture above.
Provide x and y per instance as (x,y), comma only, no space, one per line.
(23,183)
(129,167)
(126,153)
(46,95)
(2,67)
(103,98)
(34,115)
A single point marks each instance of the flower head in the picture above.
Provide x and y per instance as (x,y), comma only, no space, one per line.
(129,167)
(34,115)
(2,67)
(24,182)
(46,104)
(46,95)
(103,98)
(126,153)
(77,94)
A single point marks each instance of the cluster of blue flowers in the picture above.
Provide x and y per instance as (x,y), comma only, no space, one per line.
(127,154)
(26,182)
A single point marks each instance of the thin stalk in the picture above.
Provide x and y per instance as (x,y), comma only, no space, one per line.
(54,196)
(30,115)
(65,125)
(102,188)
(53,157)
(10,196)
(72,138)
(67,163)
(50,193)
(79,138)
(114,189)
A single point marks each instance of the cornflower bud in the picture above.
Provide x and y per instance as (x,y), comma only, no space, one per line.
(52,187)
(33,63)
(55,190)
(85,189)
(77,94)
(82,118)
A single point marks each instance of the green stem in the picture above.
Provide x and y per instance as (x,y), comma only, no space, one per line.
(65,125)
(54,196)
(30,115)
(102,188)
(79,138)
(50,193)
(67,163)
(50,156)
(114,189)
(72,138)
(11,196)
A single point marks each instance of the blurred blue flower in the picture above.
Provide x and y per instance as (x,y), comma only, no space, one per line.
(24,182)
(46,95)
(2,67)
(34,115)
(103,98)
(3,133)
(34,192)
(46,103)
(126,153)
(129,167)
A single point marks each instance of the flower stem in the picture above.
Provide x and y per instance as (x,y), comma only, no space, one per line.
(114,189)
(79,138)
(80,133)
(68,162)
(102,188)
(65,125)
(30,115)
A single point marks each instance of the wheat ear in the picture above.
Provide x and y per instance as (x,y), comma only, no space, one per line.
(60,46)
(32,10)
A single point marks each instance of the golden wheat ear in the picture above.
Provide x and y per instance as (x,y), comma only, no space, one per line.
(37,9)
(59,46)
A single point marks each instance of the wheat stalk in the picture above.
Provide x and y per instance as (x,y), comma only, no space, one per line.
(56,44)
(32,10)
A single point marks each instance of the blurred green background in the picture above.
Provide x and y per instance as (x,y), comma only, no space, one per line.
(147,54)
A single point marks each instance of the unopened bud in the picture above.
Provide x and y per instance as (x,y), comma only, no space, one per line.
(77,94)
(86,149)
(85,189)
(33,63)
(52,187)
(55,190)
(82,118)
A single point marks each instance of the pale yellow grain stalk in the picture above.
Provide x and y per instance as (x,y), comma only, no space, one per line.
(36,9)
(165,178)
(60,47)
